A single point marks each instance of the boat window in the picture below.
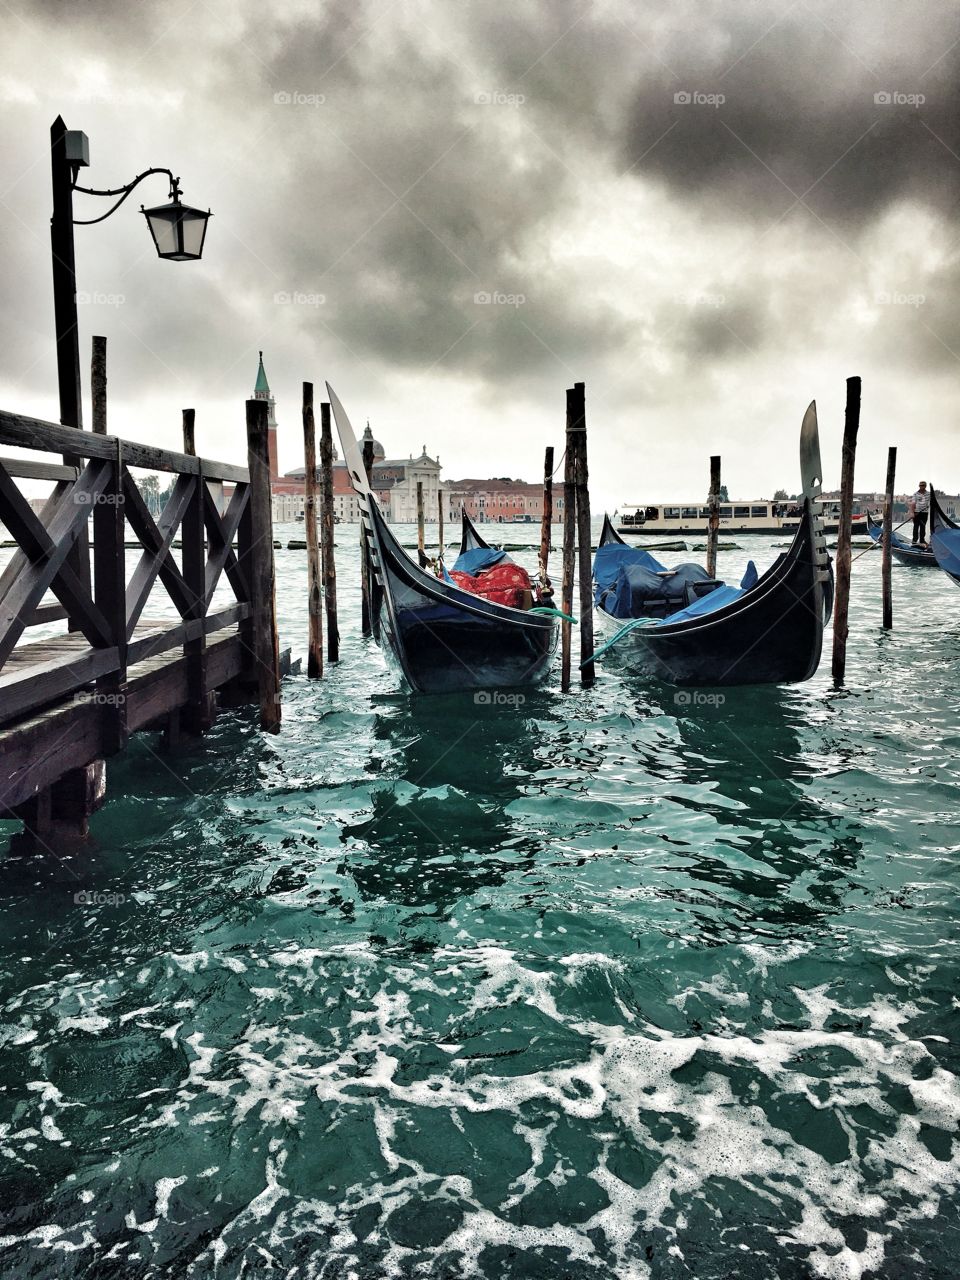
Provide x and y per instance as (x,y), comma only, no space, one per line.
(671,513)
(689,513)
(725,513)
(704,513)
(759,511)
(741,513)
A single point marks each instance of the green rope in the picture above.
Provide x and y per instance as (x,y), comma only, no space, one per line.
(552,613)
(624,630)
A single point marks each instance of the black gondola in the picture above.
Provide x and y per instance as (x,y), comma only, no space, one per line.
(767,631)
(900,549)
(944,539)
(442,638)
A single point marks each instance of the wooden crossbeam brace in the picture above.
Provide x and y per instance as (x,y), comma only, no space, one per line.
(47,549)
(222,531)
(144,526)
(156,539)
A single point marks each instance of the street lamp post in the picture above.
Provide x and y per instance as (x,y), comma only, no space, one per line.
(178,234)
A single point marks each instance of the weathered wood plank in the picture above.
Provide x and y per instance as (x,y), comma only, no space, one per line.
(25,689)
(157,558)
(33,433)
(27,469)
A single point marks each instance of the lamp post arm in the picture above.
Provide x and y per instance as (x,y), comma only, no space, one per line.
(123,192)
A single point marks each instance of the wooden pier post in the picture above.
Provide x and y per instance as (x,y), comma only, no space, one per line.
(365,623)
(197,716)
(261,571)
(841,608)
(314,588)
(329,568)
(713,520)
(584,541)
(189,432)
(440,521)
(887,552)
(110,596)
(421,536)
(98,385)
(569,536)
(546,521)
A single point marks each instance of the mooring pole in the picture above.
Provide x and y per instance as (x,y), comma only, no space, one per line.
(546,520)
(329,570)
(262,575)
(365,623)
(314,589)
(713,519)
(98,385)
(841,608)
(584,540)
(887,553)
(569,536)
(421,538)
(440,521)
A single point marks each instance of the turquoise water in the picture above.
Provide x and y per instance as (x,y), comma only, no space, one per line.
(605,985)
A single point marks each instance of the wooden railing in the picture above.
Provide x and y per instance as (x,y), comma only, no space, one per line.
(98,499)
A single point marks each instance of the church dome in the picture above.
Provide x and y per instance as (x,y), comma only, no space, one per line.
(379,453)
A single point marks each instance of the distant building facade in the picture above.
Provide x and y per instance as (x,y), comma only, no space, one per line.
(502,501)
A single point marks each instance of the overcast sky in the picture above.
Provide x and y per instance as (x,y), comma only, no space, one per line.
(710,213)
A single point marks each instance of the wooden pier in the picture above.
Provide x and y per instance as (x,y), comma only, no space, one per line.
(71,700)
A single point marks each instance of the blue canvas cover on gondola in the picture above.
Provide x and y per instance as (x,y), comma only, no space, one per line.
(609,559)
(716,599)
(477,559)
(639,590)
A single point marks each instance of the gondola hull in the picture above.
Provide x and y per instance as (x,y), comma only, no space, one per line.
(901,550)
(772,635)
(444,639)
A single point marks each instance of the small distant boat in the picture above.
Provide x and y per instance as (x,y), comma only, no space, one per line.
(443,638)
(900,548)
(769,630)
(944,539)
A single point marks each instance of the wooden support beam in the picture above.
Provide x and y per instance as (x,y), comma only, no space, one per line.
(189,423)
(109,578)
(545,523)
(197,716)
(314,586)
(569,538)
(98,385)
(584,541)
(327,533)
(841,608)
(713,520)
(887,552)
(259,555)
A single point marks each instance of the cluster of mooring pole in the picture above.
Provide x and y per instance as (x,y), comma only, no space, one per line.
(318,522)
(577,546)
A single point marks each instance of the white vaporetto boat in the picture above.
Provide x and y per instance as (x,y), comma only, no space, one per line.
(756,516)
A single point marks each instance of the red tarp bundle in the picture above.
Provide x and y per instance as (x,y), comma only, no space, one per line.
(503,584)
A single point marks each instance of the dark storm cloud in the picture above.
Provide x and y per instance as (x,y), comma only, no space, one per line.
(846,108)
(427,154)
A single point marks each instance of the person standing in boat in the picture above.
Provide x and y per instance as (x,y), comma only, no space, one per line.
(919,510)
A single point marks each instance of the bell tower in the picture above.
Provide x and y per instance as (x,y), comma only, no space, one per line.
(262,392)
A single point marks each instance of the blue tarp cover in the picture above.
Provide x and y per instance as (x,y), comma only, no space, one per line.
(477,559)
(609,558)
(946,547)
(716,599)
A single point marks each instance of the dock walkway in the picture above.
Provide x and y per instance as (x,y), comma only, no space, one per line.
(71,700)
